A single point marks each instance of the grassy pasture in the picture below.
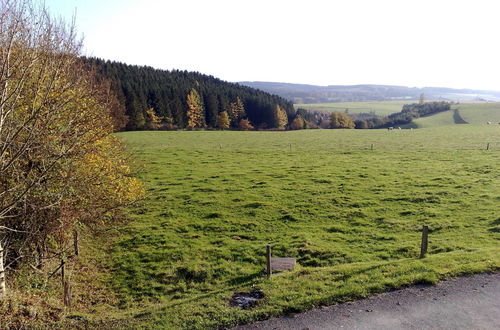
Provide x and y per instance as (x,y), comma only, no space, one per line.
(381,108)
(471,113)
(480,113)
(351,216)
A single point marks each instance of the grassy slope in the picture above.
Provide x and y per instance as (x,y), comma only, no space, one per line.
(349,215)
(436,120)
(382,108)
(472,113)
(480,113)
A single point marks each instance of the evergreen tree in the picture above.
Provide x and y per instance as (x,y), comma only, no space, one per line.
(178,113)
(195,110)
(137,121)
(141,88)
(211,109)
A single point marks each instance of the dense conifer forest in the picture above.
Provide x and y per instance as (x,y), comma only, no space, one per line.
(142,88)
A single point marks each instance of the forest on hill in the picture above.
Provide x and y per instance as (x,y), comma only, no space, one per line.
(151,99)
(154,98)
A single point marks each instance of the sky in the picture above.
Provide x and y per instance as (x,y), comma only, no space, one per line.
(437,43)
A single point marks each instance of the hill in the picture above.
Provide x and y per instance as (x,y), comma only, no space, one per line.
(465,113)
(301,93)
(140,88)
(379,108)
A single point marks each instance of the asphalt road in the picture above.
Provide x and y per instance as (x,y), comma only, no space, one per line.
(471,302)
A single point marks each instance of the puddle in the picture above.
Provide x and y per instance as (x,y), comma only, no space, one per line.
(246,300)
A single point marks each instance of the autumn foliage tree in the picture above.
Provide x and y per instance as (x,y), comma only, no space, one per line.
(280,117)
(297,123)
(223,120)
(341,120)
(153,122)
(237,111)
(60,167)
(195,110)
(245,125)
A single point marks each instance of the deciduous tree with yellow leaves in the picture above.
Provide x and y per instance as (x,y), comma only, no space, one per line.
(153,122)
(60,166)
(280,117)
(195,110)
(237,111)
(341,120)
(297,123)
(223,120)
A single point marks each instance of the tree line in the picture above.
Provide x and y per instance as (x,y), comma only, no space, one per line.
(416,110)
(152,99)
(161,99)
(409,112)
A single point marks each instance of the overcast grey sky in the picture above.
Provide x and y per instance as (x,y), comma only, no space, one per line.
(413,43)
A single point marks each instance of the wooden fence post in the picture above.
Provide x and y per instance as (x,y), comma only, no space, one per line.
(371,148)
(75,242)
(423,246)
(268,260)
(67,294)
(488,146)
(2,275)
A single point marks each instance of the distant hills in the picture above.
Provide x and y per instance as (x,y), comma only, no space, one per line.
(301,93)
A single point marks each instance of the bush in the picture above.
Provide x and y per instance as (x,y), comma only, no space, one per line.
(245,125)
(297,123)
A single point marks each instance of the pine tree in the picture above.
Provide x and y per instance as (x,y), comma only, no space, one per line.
(195,110)
(280,117)
(211,109)
(178,113)
(137,121)
(141,88)
(223,120)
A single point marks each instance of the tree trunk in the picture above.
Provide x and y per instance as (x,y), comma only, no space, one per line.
(2,274)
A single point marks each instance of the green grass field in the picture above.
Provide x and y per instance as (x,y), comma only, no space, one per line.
(382,108)
(470,113)
(351,217)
